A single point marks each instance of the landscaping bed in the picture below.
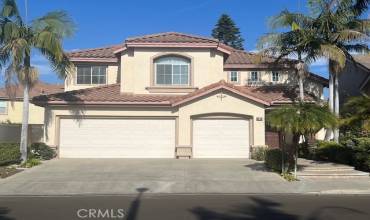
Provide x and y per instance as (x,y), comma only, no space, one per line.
(6,171)
(10,157)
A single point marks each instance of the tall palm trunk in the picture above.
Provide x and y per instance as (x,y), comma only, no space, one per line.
(296,138)
(329,132)
(301,72)
(25,112)
(301,90)
(336,105)
(24,132)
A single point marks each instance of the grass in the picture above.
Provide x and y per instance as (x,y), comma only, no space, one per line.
(31,163)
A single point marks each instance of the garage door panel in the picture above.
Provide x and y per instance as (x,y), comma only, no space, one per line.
(127,138)
(221,138)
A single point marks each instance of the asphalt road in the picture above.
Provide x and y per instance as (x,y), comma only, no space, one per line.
(180,207)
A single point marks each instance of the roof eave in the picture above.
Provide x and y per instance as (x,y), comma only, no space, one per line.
(100,60)
(218,88)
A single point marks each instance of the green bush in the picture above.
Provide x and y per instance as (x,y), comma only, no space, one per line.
(258,153)
(9,153)
(361,153)
(31,163)
(334,152)
(41,151)
(273,160)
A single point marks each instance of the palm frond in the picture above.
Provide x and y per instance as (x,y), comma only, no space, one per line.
(334,53)
(350,35)
(286,19)
(301,118)
(57,22)
(10,11)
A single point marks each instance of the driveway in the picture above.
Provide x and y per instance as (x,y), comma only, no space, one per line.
(125,176)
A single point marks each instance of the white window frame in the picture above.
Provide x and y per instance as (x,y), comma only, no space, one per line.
(272,76)
(236,76)
(5,107)
(257,74)
(91,75)
(172,71)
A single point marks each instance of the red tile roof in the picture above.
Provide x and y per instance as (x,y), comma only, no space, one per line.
(235,59)
(171,37)
(40,88)
(110,94)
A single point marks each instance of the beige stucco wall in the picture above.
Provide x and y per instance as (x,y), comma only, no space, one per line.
(137,66)
(209,104)
(14,114)
(112,77)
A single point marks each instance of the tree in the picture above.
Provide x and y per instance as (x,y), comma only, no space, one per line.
(339,30)
(227,32)
(17,42)
(289,43)
(357,113)
(332,30)
(300,119)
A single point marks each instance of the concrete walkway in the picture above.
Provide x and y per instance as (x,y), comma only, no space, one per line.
(125,176)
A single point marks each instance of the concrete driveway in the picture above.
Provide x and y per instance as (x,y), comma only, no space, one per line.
(126,176)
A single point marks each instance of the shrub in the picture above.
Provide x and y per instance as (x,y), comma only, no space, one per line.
(31,163)
(273,160)
(258,153)
(362,153)
(41,151)
(334,152)
(9,153)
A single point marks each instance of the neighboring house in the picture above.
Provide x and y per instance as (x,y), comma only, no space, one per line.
(11,105)
(168,95)
(354,80)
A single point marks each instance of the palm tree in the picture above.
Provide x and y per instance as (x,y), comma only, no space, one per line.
(18,40)
(291,43)
(339,31)
(300,119)
(333,30)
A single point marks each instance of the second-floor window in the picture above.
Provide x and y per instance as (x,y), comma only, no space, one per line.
(254,76)
(3,107)
(172,71)
(88,75)
(234,77)
(275,77)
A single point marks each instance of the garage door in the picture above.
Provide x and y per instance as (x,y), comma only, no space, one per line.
(221,138)
(117,138)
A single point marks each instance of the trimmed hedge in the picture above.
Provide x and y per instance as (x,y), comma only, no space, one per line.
(41,151)
(273,159)
(9,153)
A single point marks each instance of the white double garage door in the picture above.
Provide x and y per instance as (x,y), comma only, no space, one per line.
(151,138)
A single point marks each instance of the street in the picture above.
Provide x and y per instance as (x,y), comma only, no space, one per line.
(200,207)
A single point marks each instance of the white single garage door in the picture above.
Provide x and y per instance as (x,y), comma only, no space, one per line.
(117,138)
(220,138)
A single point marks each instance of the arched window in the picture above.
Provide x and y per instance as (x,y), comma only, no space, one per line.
(172,70)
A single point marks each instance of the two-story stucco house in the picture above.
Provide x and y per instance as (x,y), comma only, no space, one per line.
(167,95)
(11,109)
